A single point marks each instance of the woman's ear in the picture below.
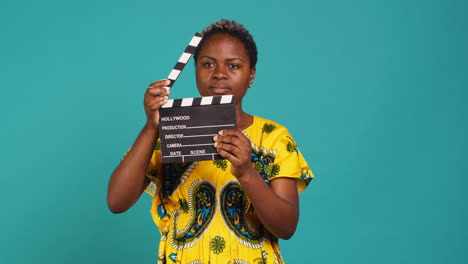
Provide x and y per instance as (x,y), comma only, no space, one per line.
(252,77)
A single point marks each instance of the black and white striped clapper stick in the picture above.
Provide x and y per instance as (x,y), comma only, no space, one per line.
(184,58)
(199,101)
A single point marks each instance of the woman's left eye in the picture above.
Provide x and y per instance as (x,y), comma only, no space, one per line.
(233,66)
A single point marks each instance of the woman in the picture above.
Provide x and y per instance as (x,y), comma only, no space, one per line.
(224,211)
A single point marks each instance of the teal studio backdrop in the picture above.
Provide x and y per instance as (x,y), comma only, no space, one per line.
(374,92)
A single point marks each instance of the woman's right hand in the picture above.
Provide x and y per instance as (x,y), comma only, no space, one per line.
(156,96)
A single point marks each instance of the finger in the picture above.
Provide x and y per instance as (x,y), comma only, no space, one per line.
(158,88)
(240,151)
(154,100)
(157,91)
(157,102)
(231,148)
(227,139)
(229,156)
(151,94)
(234,137)
(228,132)
(160,83)
(234,132)
(240,154)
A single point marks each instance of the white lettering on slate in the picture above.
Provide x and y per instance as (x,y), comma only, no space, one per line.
(172,136)
(173,145)
(197,152)
(175,153)
(175,118)
(173,127)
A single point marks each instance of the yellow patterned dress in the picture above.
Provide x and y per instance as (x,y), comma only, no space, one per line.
(204,215)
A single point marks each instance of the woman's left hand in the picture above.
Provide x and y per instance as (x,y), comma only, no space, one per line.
(234,146)
(280,193)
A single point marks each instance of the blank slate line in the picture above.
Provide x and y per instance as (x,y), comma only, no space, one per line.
(207,135)
(211,144)
(209,126)
(204,154)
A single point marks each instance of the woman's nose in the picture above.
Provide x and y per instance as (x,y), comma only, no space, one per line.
(219,73)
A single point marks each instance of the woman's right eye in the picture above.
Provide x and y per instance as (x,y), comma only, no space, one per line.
(208,64)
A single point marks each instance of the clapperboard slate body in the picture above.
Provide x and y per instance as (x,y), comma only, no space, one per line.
(187,127)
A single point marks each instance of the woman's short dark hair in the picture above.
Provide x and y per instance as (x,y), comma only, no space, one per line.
(234,29)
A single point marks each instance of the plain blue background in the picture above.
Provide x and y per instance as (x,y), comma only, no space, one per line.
(374,92)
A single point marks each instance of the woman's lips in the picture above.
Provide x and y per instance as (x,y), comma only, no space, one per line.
(220,89)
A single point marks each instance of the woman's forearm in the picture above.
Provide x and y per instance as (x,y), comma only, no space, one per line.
(128,180)
(276,205)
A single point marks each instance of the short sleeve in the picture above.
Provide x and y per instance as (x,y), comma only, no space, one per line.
(289,160)
(153,171)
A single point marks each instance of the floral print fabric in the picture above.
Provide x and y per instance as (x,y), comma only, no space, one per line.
(202,212)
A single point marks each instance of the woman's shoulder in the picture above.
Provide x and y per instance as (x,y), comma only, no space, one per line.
(268,126)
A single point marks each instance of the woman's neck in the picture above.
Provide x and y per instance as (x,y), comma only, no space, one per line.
(244,120)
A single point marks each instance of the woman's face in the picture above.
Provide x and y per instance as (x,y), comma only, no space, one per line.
(223,67)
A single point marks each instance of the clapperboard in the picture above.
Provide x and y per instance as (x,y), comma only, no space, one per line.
(187,126)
